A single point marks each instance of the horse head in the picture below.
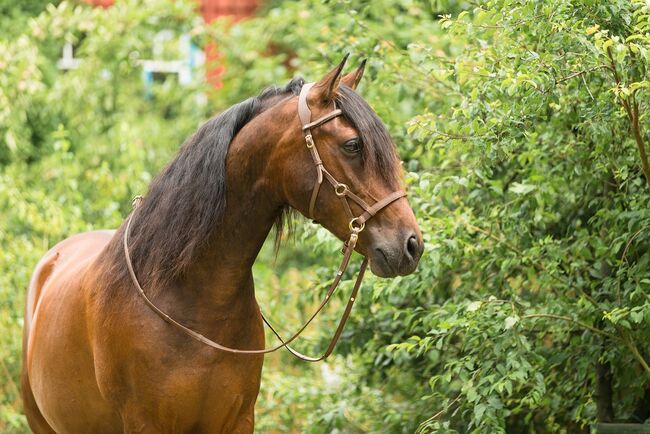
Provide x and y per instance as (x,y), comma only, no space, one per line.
(339,166)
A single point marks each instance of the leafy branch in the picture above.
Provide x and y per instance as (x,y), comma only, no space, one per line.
(574,321)
(631,106)
(623,336)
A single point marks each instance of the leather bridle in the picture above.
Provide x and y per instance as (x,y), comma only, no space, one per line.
(340,189)
(356,225)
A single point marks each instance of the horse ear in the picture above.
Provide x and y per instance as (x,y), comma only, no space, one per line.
(325,90)
(352,79)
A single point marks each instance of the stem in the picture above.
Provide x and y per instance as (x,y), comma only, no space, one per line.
(445,409)
(9,378)
(450,136)
(627,246)
(569,319)
(497,239)
(437,415)
(579,73)
(623,337)
(539,266)
(635,352)
(631,107)
(638,137)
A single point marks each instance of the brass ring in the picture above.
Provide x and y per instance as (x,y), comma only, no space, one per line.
(343,187)
(356,229)
(310,141)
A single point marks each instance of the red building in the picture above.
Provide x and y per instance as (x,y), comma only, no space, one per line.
(211,10)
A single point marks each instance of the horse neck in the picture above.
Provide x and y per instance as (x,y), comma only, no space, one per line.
(221,278)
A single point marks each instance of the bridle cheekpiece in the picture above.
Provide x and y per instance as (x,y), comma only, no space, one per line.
(358,223)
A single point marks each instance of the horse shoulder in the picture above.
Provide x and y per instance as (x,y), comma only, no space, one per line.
(56,259)
(56,319)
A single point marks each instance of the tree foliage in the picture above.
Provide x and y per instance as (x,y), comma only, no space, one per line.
(522,127)
(524,132)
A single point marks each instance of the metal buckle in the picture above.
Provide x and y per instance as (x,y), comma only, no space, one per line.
(343,187)
(310,141)
(351,243)
(356,229)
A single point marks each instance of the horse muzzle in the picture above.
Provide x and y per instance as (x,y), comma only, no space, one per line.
(398,257)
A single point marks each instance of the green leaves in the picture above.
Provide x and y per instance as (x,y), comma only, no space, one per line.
(519,188)
(514,121)
(510,322)
(532,193)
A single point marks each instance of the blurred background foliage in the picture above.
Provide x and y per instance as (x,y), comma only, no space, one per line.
(523,127)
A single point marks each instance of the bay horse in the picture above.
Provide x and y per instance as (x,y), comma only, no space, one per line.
(97,358)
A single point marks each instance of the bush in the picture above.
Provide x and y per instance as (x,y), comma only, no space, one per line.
(521,126)
(523,130)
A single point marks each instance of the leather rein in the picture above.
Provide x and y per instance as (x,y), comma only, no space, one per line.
(356,225)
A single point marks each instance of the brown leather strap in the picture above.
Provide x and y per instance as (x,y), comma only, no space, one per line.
(323,119)
(339,329)
(341,190)
(314,196)
(381,205)
(284,343)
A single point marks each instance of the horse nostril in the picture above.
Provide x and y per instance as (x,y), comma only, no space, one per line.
(412,247)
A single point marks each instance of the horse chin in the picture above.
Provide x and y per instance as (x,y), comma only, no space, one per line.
(387,262)
(380,266)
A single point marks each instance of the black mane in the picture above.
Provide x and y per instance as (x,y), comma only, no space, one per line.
(188,198)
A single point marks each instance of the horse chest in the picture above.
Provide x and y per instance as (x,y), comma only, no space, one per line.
(182,386)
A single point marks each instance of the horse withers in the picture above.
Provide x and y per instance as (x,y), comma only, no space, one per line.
(99,359)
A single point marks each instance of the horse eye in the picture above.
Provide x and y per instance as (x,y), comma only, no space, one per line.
(351,147)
